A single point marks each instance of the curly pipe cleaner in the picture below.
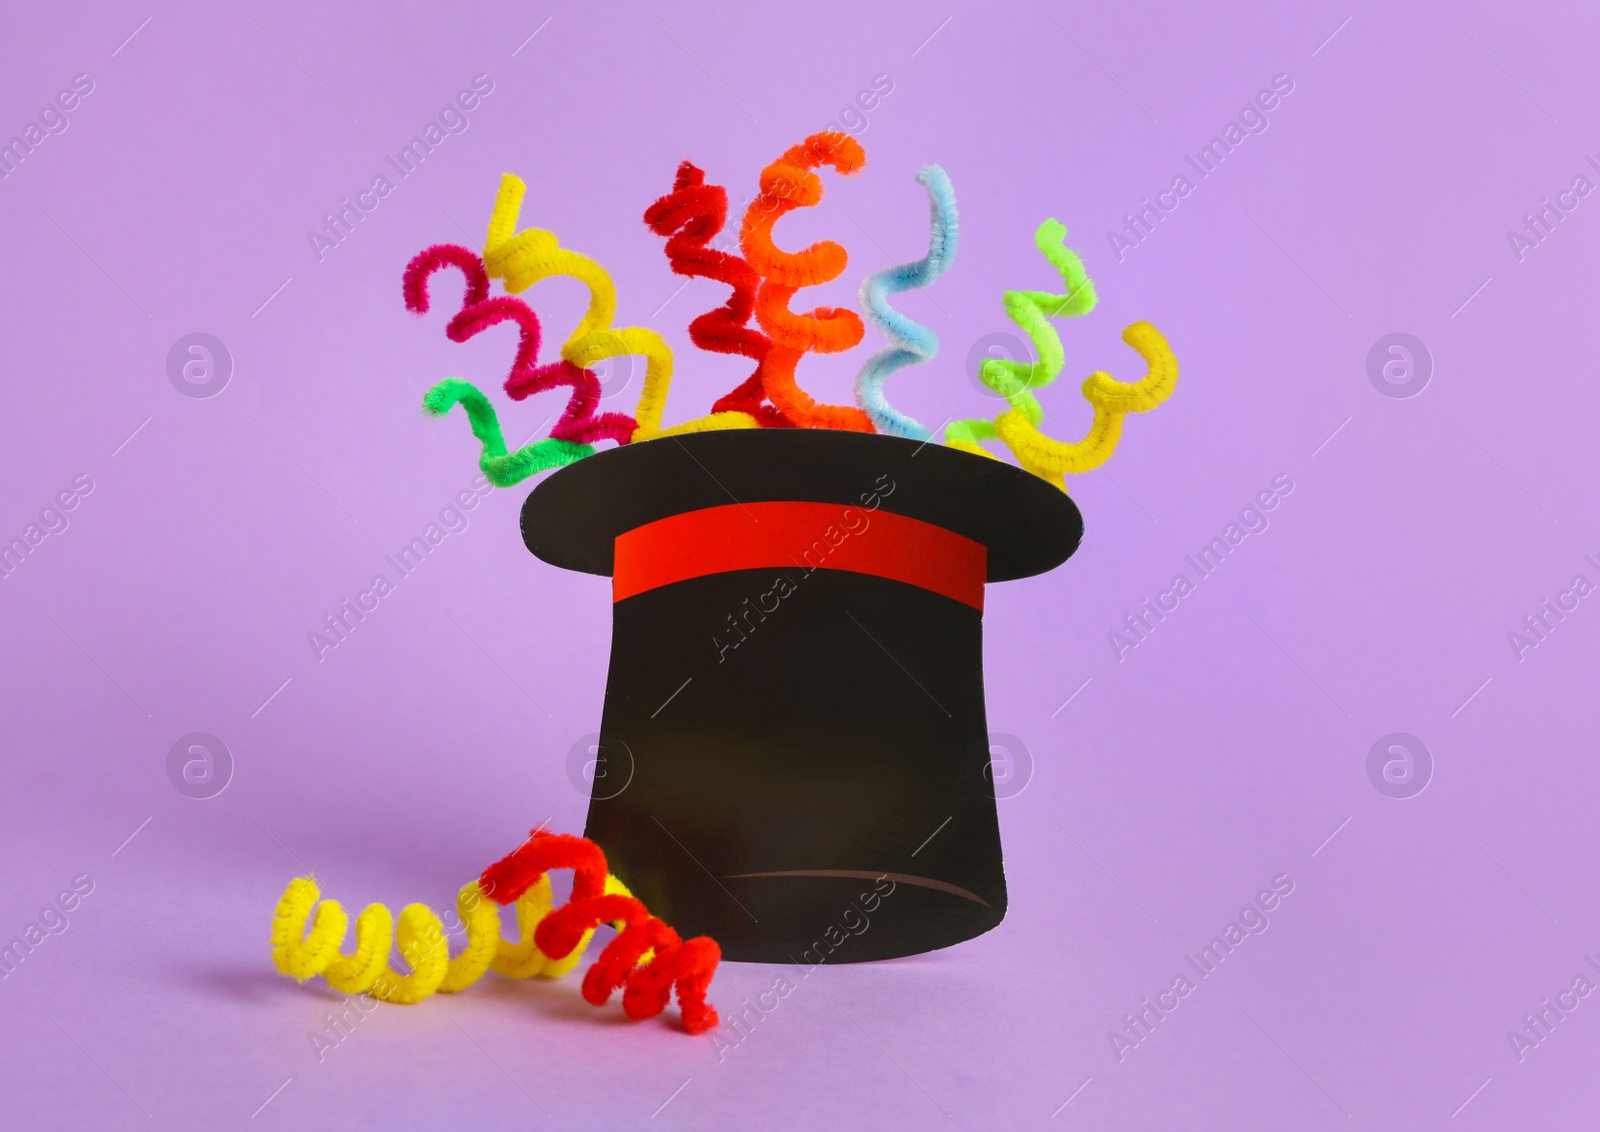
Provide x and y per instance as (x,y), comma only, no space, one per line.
(421,939)
(1031,310)
(500,468)
(647,959)
(523,258)
(690,216)
(578,426)
(914,343)
(578,422)
(789,183)
(1110,399)
(414,284)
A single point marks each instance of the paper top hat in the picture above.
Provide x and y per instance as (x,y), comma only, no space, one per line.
(794,757)
(794,731)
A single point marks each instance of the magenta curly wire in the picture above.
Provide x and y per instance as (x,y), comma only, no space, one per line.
(579,423)
(429,260)
(478,317)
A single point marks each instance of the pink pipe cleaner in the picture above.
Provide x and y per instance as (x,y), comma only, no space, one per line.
(579,423)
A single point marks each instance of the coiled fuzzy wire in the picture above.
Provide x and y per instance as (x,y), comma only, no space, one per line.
(691,216)
(523,258)
(913,342)
(789,183)
(501,468)
(647,959)
(1110,399)
(578,427)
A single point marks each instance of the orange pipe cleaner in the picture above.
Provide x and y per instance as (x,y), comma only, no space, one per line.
(788,183)
(690,216)
(687,965)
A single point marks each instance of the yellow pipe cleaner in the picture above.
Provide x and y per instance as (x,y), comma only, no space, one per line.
(421,939)
(523,258)
(1110,399)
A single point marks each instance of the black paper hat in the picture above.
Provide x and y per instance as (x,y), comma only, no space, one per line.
(795,702)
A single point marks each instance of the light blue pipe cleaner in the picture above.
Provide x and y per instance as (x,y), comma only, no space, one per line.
(914,343)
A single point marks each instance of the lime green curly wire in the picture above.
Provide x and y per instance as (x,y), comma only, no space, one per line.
(1032,311)
(499,467)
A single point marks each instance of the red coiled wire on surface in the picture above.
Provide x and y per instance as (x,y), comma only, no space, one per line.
(685,965)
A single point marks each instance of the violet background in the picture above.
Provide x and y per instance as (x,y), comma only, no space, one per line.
(1221,752)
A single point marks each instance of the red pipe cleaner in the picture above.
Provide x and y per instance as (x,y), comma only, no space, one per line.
(686,965)
(578,422)
(691,216)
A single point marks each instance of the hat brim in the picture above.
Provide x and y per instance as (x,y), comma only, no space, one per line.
(573,517)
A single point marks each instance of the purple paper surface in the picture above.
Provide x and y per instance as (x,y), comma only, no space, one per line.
(1429,174)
